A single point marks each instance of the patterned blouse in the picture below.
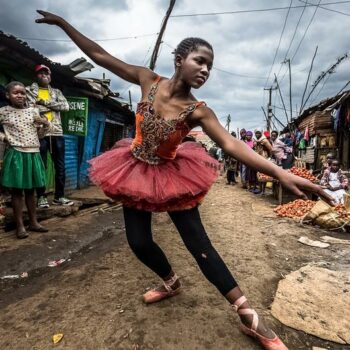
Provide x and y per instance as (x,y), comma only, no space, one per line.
(20,128)
(341,177)
(157,138)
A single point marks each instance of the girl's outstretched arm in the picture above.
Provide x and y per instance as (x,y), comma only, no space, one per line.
(134,74)
(207,119)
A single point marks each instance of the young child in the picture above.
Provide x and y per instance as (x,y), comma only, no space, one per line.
(335,182)
(175,176)
(23,168)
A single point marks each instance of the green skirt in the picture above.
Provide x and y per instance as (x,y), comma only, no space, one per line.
(22,170)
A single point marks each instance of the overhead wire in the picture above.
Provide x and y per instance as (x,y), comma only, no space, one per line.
(107,39)
(224,70)
(254,10)
(331,10)
(279,42)
(293,37)
(302,38)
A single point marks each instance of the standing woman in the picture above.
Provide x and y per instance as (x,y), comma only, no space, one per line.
(154,172)
(263,148)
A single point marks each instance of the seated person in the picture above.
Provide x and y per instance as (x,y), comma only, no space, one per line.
(335,182)
(326,163)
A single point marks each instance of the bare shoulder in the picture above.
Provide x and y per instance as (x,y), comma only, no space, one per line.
(200,114)
(147,78)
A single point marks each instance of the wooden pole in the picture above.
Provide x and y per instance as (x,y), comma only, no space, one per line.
(130,103)
(154,57)
(307,81)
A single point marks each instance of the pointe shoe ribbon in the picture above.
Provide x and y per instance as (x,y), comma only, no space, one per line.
(154,295)
(269,344)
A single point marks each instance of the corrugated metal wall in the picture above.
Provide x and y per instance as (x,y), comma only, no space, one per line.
(92,145)
(72,161)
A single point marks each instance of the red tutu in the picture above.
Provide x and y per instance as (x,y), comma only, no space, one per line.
(171,185)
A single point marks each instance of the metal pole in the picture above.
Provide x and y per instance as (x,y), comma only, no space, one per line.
(228,122)
(130,104)
(269,109)
(290,91)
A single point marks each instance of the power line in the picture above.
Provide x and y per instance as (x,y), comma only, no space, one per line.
(279,42)
(306,30)
(223,70)
(302,38)
(255,10)
(331,10)
(238,74)
(110,39)
(293,37)
(319,91)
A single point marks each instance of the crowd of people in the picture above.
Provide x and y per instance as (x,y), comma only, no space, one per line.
(272,146)
(32,128)
(279,148)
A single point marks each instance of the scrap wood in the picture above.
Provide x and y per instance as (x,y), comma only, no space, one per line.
(329,239)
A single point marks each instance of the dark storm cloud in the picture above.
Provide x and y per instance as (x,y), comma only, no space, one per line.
(244,44)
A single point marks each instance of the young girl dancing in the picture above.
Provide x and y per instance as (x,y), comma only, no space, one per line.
(156,172)
(23,169)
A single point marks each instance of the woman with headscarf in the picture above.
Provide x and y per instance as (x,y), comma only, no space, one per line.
(263,148)
(250,173)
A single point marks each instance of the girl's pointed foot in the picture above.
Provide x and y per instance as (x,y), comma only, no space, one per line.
(169,289)
(272,342)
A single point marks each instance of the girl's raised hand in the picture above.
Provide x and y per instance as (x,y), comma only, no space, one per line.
(297,184)
(48,18)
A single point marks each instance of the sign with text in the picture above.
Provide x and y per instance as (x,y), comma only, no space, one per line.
(74,122)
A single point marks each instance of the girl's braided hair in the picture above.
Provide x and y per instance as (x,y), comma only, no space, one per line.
(188,45)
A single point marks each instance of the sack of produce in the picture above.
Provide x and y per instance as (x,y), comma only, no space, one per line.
(320,208)
(328,217)
(331,220)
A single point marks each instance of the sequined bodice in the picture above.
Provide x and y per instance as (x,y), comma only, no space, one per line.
(157,138)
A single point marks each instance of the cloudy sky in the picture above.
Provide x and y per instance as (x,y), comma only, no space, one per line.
(245,43)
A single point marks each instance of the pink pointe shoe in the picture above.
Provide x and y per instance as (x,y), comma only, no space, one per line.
(269,344)
(154,295)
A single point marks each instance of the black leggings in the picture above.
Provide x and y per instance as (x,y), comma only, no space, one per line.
(189,225)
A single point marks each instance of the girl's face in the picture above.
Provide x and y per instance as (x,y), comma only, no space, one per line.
(17,96)
(195,68)
(273,136)
(335,166)
(249,137)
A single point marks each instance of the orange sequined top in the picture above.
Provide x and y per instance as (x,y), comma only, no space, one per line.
(157,138)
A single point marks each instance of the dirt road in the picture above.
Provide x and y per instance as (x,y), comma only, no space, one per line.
(94,299)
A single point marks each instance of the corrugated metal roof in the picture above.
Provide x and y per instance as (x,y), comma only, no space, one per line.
(326,104)
(98,88)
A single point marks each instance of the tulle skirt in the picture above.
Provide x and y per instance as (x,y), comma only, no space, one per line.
(172,185)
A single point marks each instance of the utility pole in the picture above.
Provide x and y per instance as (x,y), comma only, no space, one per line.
(290,87)
(269,108)
(130,103)
(160,36)
(281,97)
(228,122)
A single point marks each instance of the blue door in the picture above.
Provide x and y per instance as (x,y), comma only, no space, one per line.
(92,144)
(72,161)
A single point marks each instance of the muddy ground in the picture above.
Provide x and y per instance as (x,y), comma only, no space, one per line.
(94,299)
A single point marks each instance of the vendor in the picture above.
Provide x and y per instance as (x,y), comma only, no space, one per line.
(335,182)
(263,148)
(281,153)
(326,164)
